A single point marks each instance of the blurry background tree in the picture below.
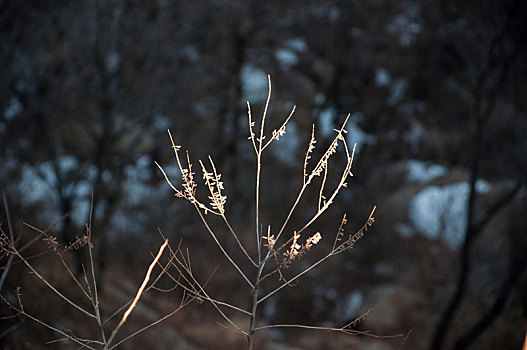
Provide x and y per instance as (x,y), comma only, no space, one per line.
(437,92)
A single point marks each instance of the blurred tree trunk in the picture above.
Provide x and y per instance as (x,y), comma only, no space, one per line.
(104,149)
(517,267)
(464,269)
(516,270)
(488,83)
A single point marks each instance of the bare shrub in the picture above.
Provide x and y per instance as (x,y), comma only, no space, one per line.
(270,260)
(277,249)
(89,305)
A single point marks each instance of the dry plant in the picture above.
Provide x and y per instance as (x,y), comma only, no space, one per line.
(276,249)
(87,286)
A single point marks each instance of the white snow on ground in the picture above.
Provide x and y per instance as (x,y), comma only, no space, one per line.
(441,212)
(298,44)
(286,57)
(254,83)
(423,172)
(482,186)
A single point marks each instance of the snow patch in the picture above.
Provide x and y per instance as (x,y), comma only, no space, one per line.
(440,212)
(254,83)
(422,172)
(298,44)
(482,186)
(287,58)
(326,118)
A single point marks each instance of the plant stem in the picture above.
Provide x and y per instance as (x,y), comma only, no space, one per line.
(254,308)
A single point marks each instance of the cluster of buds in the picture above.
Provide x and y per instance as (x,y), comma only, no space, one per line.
(294,250)
(297,249)
(51,242)
(313,240)
(217,200)
(270,241)
(280,132)
(79,243)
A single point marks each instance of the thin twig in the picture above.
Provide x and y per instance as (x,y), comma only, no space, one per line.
(21,310)
(95,297)
(221,247)
(61,257)
(172,313)
(342,329)
(138,295)
(259,170)
(36,238)
(238,240)
(201,290)
(49,285)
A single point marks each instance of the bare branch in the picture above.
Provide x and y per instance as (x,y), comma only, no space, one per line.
(21,310)
(138,295)
(281,131)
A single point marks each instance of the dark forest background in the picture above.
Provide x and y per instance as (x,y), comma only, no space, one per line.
(438,101)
